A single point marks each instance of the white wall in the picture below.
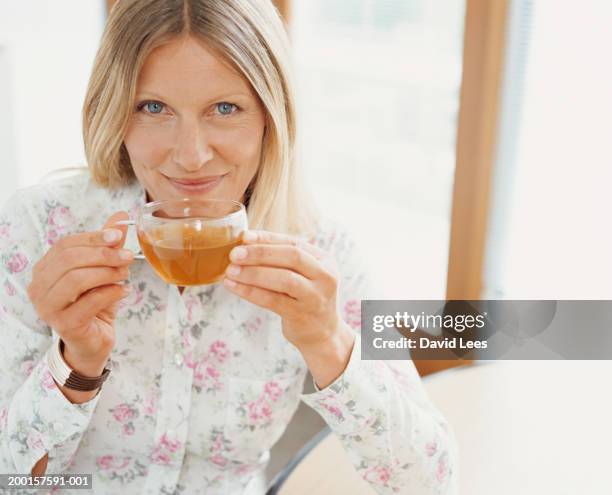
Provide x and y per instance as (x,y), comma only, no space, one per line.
(46,52)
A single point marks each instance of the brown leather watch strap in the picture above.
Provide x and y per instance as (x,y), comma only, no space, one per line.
(80,382)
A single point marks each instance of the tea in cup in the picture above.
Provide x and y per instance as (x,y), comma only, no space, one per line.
(188,241)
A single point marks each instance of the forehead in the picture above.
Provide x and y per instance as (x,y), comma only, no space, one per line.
(188,68)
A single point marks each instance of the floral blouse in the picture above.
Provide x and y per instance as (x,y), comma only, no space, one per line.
(203,382)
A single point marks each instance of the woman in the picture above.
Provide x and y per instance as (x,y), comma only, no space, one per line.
(193,99)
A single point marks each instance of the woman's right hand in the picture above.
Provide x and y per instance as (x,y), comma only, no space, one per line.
(75,289)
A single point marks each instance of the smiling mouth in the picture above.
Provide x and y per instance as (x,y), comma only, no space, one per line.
(201,185)
(195,182)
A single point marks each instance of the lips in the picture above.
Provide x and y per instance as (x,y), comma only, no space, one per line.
(196,182)
(200,185)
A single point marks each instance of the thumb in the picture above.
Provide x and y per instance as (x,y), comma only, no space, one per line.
(110,224)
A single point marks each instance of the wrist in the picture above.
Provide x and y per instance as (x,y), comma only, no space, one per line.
(86,366)
(328,360)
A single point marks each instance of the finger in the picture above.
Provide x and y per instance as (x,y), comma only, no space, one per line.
(79,257)
(110,235)
(278,255)
(267,237)
(76,282)
(274,279)
(90,304)
(281,304)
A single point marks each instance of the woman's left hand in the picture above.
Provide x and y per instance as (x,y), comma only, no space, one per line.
(293,278)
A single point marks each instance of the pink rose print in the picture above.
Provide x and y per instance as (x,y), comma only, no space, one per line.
(329,403)
(378,475)
(47,381)
(259,411)
(218,460)
(186,338)
(335,410)
(402,377)
(272,390)
(58,222)
(105,462)
(170,445)
(189,360)
(352,313)
(219,350)
(3,417)
(17,263)
(162,451)
(253,326)
(212,372)
(247,468)
(134,299)
(150,404)
(34,441)
(60,217)
(10,289)
(217,448)
(159,457)
(123,413)
(128,429)
(27,367)
(111,463)
(191,303)
(442,468)
(431,448)
(52,236)
(218,443)
(206,376)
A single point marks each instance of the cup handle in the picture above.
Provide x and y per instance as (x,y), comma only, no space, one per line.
(131,223)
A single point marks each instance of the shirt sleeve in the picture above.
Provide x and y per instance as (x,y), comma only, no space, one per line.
(35,416)
(394,436)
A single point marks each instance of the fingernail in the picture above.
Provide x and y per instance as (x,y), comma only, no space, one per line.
(126,254)
(111,235)
(238,253)
(249,236)
(233,270)
(229,283)
(127,289)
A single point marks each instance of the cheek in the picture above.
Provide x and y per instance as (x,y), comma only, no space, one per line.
(247,154)
(146,148)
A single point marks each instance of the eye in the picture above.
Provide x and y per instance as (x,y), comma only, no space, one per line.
(151,106)
(226,108)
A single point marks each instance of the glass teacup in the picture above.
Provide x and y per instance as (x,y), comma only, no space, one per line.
(188,241)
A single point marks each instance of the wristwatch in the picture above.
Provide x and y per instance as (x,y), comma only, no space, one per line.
(67,377)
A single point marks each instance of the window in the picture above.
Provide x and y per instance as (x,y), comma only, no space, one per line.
(378,82)
(549,235)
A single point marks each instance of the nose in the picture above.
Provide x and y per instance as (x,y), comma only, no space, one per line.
(192,149)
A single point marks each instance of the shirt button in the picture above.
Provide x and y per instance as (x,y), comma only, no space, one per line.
(178,359)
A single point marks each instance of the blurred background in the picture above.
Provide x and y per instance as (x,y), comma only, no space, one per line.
(465,143)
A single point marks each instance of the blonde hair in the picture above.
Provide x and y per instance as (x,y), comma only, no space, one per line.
(250,35)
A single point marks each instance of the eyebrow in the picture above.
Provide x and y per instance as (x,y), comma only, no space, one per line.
(220,97)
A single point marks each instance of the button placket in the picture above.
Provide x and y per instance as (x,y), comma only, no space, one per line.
(174,404)
(178,359)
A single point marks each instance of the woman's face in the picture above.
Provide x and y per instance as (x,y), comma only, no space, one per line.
(196,128)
